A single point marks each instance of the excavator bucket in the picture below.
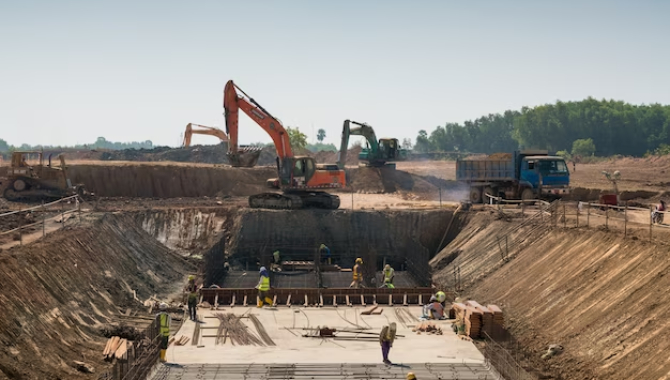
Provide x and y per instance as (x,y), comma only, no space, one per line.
(246,157)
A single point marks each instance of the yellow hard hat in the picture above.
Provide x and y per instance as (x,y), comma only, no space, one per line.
(359,261)
(411,376)
(191,277)
(387,267)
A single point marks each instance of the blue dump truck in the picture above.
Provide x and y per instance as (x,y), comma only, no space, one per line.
(522,175)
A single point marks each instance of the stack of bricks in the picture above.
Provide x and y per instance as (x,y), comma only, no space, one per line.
(487,316)
(498,317)
(473,322)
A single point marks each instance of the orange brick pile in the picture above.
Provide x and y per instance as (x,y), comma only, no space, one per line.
(477,318)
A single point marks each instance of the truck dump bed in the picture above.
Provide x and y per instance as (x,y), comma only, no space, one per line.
(485,169)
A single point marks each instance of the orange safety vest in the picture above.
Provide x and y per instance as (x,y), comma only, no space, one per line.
(357,272)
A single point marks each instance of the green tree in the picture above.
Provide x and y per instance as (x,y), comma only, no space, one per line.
(321,134)
(583,147)
(422,142)
(297,138)
(4,147)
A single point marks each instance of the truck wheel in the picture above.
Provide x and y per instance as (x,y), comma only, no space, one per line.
(527,195)
(475,195)
(488,190)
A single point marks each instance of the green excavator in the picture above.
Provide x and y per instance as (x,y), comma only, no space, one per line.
(377,153)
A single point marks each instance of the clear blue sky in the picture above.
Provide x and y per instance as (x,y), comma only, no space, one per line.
(71,71)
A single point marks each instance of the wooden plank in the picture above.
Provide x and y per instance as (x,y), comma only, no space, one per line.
(216,303)
(123,348)
(420,299)
(114,346)
(107,346)
(377,311)
(274,301)
(334,300)
(245,301)
(306,300)
(348,302)
(232,304)
(362,300)
(404,300)
(390,299)
(369,310)
(374,299)
(288,300)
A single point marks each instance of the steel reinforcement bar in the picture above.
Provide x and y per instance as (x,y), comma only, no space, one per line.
(319,297)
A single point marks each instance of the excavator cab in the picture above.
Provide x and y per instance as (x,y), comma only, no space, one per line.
(389,148)
(303,170)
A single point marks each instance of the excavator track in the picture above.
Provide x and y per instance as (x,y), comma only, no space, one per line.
(295,201)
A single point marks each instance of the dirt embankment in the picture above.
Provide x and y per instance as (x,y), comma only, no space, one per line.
(57,293)
(167,181)
(603,298)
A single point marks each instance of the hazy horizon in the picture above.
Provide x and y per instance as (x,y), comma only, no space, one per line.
(73,71)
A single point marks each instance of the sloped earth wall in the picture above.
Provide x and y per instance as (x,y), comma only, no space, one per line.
(602,297)
(56,293)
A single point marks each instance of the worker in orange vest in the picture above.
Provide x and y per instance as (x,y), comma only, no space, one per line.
(357,274)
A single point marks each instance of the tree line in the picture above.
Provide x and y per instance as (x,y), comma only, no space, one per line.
(614,127)
(100,143)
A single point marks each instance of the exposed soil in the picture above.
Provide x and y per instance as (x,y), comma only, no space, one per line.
(59,292)
(600,296)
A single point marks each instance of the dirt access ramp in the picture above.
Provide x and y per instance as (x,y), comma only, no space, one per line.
(602,297)
(57,293)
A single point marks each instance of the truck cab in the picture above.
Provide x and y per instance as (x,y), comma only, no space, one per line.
(545,175)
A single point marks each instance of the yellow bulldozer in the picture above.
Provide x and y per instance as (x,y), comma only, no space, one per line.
(27,178)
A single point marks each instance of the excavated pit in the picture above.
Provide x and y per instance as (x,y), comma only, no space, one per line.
(405,239)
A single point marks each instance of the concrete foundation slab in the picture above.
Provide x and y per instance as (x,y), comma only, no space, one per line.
(446,355)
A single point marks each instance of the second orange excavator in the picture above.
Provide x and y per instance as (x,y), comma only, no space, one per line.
(301,180)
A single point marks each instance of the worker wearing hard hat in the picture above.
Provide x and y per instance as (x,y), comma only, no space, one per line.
(386,338)
(263,288)
(192,294)
(276,265)
(163,321)
(357,274)
(389,274)
(411,376)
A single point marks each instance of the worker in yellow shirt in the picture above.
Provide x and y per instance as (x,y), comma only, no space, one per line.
(357,274)
(389,274)
(264,287)
(163,320)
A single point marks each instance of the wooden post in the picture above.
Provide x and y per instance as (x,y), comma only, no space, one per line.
(651,222)
(20,226)
(44,220)
(62,215)
(625,219)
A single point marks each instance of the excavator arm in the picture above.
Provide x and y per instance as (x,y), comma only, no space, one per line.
(234,99)
(361,129)
(198,129)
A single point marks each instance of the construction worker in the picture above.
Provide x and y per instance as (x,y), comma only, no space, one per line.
(264,287)
(386,338)
(441,298)
(192,291)
(163,321)
(277,260)
(325,254)
(434,310)
(357,274)
(411,376)
(389,273)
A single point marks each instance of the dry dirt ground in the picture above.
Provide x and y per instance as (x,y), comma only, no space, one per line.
(602,297)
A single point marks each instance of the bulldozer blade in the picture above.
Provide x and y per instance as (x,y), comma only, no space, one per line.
(244,157)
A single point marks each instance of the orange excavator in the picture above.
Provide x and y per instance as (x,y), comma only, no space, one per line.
(251,156)
(301,180)
(198,129)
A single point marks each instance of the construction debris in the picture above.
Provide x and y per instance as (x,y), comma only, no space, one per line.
(181,341)
(261,331)
(83,367)
(428,328)
(369,310)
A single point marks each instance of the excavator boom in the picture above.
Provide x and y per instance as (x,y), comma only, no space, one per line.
(192,128)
